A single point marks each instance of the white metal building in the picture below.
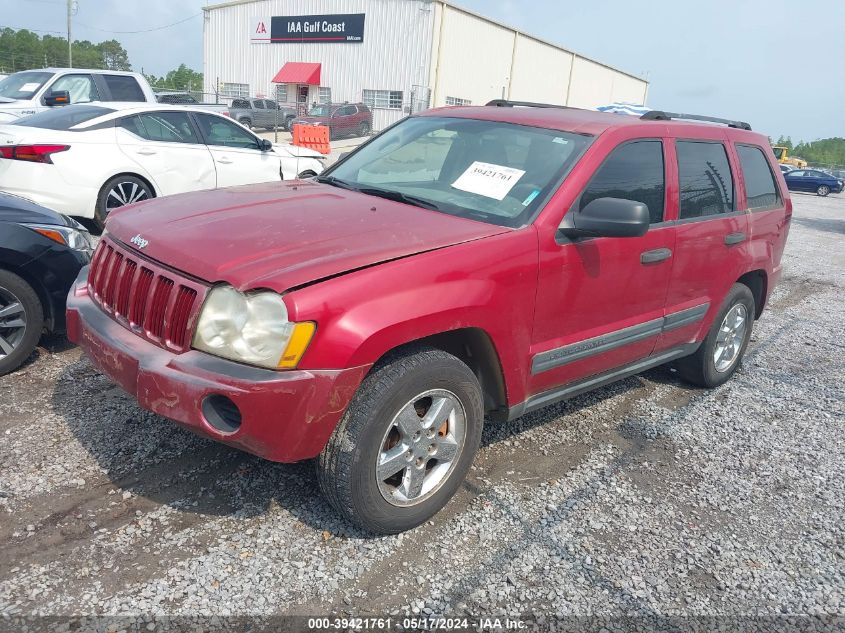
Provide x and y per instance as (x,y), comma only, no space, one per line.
(394,55)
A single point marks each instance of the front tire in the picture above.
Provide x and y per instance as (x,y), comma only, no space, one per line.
(21,321)
(405,443)
(823,190)
(118,192)
(364,130)
(719,356)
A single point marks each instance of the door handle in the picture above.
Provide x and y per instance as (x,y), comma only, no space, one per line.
(734,238)
(655,256)
(147,151)
(224,160)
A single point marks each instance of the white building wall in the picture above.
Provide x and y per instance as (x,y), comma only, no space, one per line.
(594,84)
(395,53)
(408,43)
(475,58)
(540,72)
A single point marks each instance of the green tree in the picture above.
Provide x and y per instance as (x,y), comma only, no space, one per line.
(23,50)
(114,56)
(785,141)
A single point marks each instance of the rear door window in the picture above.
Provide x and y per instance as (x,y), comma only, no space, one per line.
(760,188)
(633,171)
(124,88)
(707,186)
(162,127)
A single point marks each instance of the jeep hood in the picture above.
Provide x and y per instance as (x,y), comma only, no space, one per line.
(283,235)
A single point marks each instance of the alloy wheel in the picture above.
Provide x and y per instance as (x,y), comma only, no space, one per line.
(124,193)
(421,448)
(730,338)
(12,322)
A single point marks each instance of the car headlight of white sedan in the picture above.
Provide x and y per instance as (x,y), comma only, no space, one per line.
(251,328)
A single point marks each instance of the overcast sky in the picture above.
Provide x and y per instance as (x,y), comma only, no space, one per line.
(778,64)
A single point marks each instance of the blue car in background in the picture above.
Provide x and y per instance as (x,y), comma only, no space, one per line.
(813,181)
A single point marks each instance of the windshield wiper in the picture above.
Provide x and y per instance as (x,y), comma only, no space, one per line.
(398,196)
(336,182)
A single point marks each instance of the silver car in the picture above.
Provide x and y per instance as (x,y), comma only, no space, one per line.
(261,113)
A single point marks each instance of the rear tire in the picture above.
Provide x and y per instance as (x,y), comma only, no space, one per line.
(419,412)
(288,122)
(19,305)
(721,353)
(118,192)
(823,190)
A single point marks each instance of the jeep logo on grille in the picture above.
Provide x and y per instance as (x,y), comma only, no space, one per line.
(139,241)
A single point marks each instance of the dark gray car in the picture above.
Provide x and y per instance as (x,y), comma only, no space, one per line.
(261,113)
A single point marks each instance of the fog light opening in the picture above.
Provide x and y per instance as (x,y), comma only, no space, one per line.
(221,414)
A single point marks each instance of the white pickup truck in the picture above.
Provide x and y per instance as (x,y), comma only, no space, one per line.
(31,91)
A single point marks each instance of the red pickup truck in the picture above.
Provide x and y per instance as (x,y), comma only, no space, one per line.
(467,264)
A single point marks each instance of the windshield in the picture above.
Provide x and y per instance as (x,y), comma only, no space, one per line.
(320,110)
(63,118)
(778,152)
(485,170)
(23,85)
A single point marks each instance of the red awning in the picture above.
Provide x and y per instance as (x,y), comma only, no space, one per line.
(298,73)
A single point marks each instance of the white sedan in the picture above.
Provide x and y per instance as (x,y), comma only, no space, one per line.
(85,160)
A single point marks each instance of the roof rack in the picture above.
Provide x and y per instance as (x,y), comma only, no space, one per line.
(660,115)
(504,103)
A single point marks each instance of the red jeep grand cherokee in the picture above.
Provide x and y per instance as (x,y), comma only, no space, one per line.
(466,263)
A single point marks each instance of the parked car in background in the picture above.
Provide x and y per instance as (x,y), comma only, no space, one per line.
(813,180)
(468,263)
(342,119)
(32,91)
(41,253)
(88,160)
(261,113)
(786,168)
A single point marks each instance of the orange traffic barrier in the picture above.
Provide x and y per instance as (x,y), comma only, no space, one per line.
(314,137)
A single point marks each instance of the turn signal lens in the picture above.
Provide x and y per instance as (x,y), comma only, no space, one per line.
(299,340)
(53,235)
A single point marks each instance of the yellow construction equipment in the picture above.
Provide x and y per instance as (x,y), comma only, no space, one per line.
(782,154)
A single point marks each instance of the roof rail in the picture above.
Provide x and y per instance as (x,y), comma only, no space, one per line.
(504,103)
(660,115)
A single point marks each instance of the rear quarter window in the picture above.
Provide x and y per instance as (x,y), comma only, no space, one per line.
(707,185)
(760,189)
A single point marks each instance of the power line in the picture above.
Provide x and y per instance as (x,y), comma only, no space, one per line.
(157,28)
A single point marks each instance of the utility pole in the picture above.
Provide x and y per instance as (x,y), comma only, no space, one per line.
(69,37)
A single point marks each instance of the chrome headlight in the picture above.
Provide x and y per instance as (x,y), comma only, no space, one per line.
(76,237)
(251,328)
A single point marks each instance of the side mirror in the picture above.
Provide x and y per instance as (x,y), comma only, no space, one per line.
(607,217)
(57,98)
(265,145)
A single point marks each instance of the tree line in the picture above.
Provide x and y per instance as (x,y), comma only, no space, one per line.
(24,50)
(829,151)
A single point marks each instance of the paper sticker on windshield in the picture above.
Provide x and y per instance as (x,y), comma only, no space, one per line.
(488,180)
(29,87)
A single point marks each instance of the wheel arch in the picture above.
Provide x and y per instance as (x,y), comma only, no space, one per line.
(47,307)
(475,348)
(757,282)
(147,181)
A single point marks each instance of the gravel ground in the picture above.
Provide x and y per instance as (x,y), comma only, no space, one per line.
(646,497)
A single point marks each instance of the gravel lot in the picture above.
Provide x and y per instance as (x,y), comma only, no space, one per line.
(647,497)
